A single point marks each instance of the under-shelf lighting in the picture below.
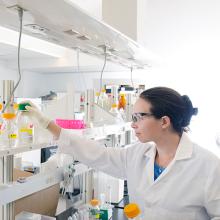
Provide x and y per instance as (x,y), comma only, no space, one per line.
(10,37)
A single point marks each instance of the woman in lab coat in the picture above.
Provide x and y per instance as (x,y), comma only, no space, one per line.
(169,176)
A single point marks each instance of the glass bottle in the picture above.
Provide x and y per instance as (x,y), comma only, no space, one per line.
(94,211)
(8,130)
(132,211)
(114,111)
(24,125)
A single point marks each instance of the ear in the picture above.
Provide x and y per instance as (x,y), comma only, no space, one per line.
(165,122)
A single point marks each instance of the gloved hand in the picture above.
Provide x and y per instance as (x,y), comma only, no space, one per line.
(34,113)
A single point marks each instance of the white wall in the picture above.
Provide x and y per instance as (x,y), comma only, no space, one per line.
(5,73)
(185,34)
(81,81)
(30,85)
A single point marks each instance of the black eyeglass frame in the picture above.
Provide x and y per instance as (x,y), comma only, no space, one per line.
(140,114)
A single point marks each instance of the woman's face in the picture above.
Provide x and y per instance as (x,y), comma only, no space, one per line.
(147,127)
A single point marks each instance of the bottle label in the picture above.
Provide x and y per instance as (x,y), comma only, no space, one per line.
(26,130)
(12,136)
(104,214)
(95,213)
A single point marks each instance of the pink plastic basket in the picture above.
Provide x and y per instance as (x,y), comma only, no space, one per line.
(70,124)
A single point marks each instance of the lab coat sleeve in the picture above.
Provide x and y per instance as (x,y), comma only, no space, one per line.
(212,193)
(109,160)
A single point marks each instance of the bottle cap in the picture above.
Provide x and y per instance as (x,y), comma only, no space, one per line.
(132,210)
(94,202)
(8,115)
(114,105)
(15,106)
(21,106)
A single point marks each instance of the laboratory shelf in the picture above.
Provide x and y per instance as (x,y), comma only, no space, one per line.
(95,133)
(16,190)
(6,151)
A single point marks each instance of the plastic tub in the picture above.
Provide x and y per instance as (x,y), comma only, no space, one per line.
(70,124)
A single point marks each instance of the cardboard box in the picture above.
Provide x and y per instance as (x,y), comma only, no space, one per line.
(43,202)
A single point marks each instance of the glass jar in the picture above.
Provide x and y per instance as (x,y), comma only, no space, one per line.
(8,130)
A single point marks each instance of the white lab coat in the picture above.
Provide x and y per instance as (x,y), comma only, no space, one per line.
(188,189)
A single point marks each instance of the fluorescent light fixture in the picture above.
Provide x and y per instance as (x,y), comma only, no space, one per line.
(10,37)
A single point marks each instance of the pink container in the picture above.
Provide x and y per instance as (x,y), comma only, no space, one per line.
(70,124)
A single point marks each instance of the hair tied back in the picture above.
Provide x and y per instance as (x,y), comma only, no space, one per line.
(195,111)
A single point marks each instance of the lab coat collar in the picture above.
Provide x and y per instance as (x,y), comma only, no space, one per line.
(184,149)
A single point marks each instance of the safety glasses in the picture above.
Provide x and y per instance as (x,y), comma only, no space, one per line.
(139,116)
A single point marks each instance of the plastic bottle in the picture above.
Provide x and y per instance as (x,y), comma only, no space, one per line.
(94,211)
(1,122)
(8,130)
(122,102)
(84,212)
(132,211)
(25,126)
(103,100)
(114,111)
(97,94)
(105,209)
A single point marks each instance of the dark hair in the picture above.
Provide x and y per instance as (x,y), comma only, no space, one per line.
(168,102)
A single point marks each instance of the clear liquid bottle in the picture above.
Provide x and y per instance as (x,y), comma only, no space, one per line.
(8,130)
(97,94)
(114,111)
(25,126)
(94,212)
(105,208)
(132,211)
(1,122)
(103,100)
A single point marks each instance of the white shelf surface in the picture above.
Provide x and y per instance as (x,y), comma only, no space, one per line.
(15,190)
(6,151)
